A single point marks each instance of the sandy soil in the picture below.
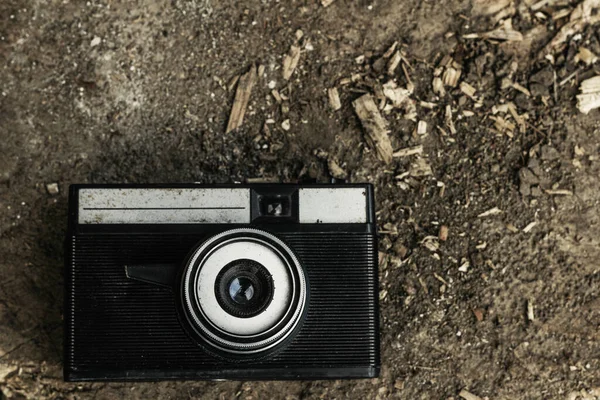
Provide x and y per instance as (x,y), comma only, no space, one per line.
(129,91)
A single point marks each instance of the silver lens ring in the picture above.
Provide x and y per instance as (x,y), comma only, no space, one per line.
(244,335)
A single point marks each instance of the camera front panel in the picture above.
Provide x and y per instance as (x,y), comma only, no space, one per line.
(123,329)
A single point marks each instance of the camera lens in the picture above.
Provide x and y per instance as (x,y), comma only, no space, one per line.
(244,288)
(241,290)
(244,293)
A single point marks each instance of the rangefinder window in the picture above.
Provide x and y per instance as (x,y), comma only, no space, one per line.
(275,206)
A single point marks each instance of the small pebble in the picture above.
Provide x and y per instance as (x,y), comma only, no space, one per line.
(95,41)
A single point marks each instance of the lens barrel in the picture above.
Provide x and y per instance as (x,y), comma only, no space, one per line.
(243,292)
(244,288)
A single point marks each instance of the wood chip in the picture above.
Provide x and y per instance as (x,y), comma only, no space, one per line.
(290,62)
(422,128)
(505,32)
(484,8)
(394,62)
(335,170)
(409,151)
(420,167)
(585,56)
(560,14)
(579,19)
(427,104)
(390,50)
(276,96)
(589,98)
(326,3)
(529,227)
(449,121)
(541,4)
(559,192)
(334,98)
(502,125)
(530,310)
(438,86)
(478,312)
(240,102)
(375,126)
(401,99)
(468,395)
(521,89)
(451,76)
(468,90)
(443,234)
(492,211)
(52,188)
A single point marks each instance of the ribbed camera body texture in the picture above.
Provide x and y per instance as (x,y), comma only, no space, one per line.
(221,282)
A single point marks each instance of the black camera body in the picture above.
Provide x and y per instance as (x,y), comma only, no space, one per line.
(245,282)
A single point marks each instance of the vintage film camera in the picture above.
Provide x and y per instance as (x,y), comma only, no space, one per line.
(221,282)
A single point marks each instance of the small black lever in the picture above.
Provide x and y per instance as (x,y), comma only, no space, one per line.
(158,274)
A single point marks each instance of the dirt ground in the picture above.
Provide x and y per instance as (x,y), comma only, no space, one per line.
(507,307)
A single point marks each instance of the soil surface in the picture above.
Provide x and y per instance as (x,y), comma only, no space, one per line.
(490,237)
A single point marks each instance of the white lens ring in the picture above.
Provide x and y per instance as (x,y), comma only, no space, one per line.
(292,314)
(230,251)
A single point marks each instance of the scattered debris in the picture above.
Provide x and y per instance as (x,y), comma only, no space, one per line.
(334,99)
(375,126)
(400,98)
(286,125)
(409,151)
(589,98)
(399,384)
(443,234)
(468,395)
(478,312)
(422,128)
(493,211)
(335,170)
(581,16)
(502,125)
(326,3)
(52,188)
(290,62)
(242,96)
(464,265)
